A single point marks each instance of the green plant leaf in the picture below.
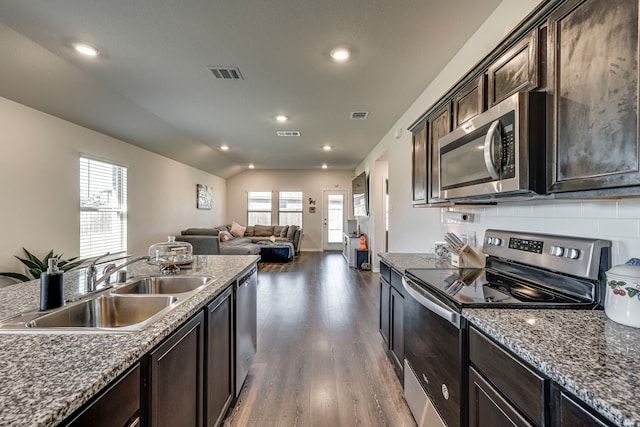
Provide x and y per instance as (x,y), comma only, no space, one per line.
(632,291)
(17,276)
(71,265)
(33,258)
(29,263)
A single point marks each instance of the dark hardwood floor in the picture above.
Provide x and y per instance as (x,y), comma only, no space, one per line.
(321,360)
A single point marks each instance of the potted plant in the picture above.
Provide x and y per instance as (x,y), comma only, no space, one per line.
(36,266)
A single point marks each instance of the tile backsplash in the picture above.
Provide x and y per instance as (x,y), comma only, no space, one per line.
(615,220)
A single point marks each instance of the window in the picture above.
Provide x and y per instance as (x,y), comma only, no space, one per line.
(259,207)
(290,208)
(103,208)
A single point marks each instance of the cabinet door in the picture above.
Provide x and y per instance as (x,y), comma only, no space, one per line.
(439,126)
(385,311)
(118,405)
(515,71)
(593,47)
(469,102)
(419,165)
(566,412)
(487,408)
(397,327)
(218,364)
(175,378)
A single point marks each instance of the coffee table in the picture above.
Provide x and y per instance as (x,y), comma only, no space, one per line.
(276,252)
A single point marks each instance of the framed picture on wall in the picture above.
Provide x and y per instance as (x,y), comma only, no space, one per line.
(204,200)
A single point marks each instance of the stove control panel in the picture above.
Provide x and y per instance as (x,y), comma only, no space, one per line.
(577,256)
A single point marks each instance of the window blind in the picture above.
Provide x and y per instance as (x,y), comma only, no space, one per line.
(259,207)
(290,208)
(103,208)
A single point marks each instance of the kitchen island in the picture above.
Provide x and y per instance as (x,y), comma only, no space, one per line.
(45,377)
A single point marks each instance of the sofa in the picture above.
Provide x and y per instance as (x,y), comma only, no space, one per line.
(207,241)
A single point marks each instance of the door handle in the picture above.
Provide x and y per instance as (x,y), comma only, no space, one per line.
(494,135)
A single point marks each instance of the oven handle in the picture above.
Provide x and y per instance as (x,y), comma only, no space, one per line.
(431,303)
(494,133)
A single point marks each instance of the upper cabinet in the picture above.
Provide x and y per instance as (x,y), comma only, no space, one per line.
(469,102)
(517,70)
(425,159)
(593,72)
(419,165)
(438,125)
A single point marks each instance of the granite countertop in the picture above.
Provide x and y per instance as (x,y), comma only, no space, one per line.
(405,261)
(44,377)
(589,355)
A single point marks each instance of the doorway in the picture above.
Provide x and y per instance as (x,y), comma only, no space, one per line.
(334,211)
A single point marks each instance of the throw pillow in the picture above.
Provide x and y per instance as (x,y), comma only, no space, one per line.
(277,230)
(283,233)
(237,230)
(225,235)
(292,231)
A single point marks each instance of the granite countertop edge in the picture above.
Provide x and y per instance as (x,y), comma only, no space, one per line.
(23,402)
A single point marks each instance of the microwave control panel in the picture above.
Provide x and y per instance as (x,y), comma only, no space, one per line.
(508,149)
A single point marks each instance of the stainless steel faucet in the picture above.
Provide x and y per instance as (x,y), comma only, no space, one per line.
(92,272)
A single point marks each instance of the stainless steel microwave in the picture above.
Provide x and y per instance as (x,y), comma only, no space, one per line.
(499,153)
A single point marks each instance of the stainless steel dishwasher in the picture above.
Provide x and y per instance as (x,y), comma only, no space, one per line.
(246,325)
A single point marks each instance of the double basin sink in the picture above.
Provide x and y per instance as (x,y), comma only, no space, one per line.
(128,307)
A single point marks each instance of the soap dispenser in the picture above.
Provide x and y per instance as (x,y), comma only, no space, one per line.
(51,287)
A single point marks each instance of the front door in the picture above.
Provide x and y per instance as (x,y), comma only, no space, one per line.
(334,213)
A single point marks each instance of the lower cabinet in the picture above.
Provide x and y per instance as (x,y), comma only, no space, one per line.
(174,377)
(391,320)
(504,391)
(218,362)
(118,405)
(568,412)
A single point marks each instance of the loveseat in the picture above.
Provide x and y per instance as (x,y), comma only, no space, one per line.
(208,241)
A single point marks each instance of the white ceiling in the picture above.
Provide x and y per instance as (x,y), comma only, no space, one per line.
(151,87)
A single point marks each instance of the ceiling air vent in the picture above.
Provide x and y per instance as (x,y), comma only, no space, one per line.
(359,115)
(226,73)
(288,133)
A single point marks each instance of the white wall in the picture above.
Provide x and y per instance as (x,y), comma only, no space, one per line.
(310,182)
(415,229)
(40,193)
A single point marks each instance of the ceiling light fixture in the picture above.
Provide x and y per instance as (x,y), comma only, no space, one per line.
(224,147)
(326,147)
(85,49)
(324,166)
(282,118)
(251,166)
(340,54)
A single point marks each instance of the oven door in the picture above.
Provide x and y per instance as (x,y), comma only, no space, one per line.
(433,344)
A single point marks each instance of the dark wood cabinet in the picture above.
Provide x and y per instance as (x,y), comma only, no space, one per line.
(439,124)
(218,360)
(517,70)
(469,102)
(568,412)
(397,326)
(516,383)
(593,72)
(391,320)
(419,165)
(174,377)
(384,323)
(117,406)
(487,408)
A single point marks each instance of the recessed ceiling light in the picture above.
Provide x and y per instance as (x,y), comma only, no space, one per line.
(282,118)
(85,49)
(251,166)
(326,147)
(324,166)
(224,147)
(340,54)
